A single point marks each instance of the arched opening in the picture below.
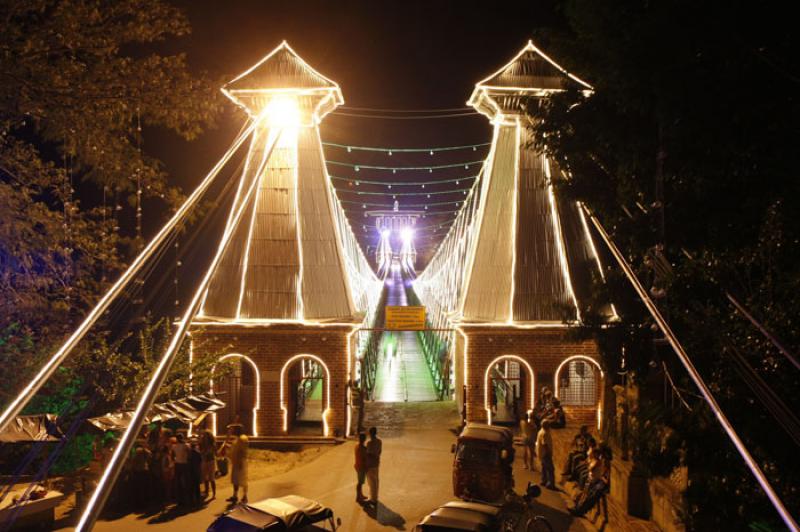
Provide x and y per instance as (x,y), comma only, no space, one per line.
(241,391)
(578,385)
(509,384)
(305,395)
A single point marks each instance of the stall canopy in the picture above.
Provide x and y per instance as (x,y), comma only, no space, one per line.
(37,427)
(189,410)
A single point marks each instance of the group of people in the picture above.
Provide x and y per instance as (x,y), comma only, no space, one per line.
(537,441)
(589,466)
(367,466)
(167,467)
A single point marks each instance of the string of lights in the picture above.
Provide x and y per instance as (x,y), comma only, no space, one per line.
(391,184)
(390,151)
(430,168)
(413,117)
(395,194)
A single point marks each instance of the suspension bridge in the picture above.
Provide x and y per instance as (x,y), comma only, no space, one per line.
(291,295)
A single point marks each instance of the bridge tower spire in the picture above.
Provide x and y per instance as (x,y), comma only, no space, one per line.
(286,261)
(524,270)
(293,285)
(531,262)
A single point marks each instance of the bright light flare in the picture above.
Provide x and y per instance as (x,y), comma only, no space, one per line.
(407,234)
(386,233)
(282,111)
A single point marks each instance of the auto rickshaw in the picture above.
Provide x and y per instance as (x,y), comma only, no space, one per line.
(482,466)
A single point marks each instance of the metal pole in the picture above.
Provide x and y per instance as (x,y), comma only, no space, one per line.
(693,373)
(109,477)
(764,331)
(55,361)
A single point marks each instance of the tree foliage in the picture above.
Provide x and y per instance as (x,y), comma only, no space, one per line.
(81,82)
(700,97)
(78,81)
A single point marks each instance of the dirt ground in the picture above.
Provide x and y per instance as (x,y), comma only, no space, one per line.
(263,464)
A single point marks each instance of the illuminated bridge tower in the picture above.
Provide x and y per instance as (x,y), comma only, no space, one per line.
(530,266)
(293,285)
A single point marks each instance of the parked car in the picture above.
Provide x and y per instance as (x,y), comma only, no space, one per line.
(482,466)
(461,515)
(282,514)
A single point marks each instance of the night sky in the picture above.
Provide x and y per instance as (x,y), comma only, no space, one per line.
(387,55)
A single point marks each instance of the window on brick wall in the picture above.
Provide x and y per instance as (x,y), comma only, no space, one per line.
(578,384)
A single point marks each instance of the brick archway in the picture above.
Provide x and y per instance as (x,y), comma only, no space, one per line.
(487,382)
(598,386)
(257,401)
(327,391)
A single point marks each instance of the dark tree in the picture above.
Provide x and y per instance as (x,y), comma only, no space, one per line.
(687,151)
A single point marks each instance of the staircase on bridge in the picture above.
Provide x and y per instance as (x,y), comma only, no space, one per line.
(403,374)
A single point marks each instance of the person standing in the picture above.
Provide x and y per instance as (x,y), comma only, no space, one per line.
(361,466)
(238,458)
(195,473)
(528,433)
(374,449)
(140,475)
(180,452)
(544,448)
(208,466)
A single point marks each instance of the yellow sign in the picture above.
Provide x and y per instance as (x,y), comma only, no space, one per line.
(405,318)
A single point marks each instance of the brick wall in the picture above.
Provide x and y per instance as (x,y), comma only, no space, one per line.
(542,349)
(271,347)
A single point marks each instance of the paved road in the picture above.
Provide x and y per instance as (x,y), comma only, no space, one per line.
(415,478)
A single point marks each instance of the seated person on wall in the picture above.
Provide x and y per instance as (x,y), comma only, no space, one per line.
(580,444)
(597,483)
(556,415)
(580,471)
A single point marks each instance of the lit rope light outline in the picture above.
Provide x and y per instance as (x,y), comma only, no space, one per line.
(328,92)
(486,404)
(340,251)
(599,385)
(293,147)
(348,401)
(258,177)
(257,406)
(465,385)
(514,221)
(235,203)
(530,47)
(486,182)
(562,254)
(285,410)
(481,92)
(614,315)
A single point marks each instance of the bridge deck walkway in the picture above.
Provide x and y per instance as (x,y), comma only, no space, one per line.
(403,374)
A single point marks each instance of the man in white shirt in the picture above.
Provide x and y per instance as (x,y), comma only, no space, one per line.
(180,453)
(544,449)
